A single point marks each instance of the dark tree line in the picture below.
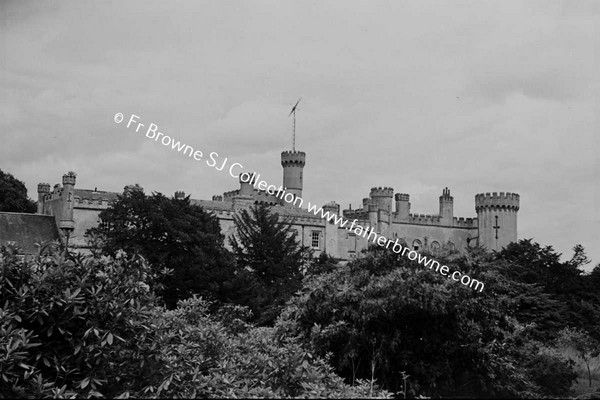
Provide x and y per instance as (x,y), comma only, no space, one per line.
(13,195)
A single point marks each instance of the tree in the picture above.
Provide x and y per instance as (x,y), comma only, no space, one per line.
(586,347)
(383,316)
(88,327)
(268,261)
(564,282)
(13,195)
(173,234)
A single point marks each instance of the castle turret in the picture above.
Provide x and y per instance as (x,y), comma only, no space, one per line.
(246,192)
(402,207)
(382,197)
(497,219)
(43,190)
(66,222)
(446,208)
(180,195)
(332,208)
(365,204)
(293,164)
(247,180)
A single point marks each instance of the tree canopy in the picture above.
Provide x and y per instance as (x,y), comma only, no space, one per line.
(13,195)
(382,317)
(268,259)
(174,234)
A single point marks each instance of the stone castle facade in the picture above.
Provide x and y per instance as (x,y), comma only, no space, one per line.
(76,210)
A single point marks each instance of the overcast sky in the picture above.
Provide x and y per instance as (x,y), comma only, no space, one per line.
(416,95)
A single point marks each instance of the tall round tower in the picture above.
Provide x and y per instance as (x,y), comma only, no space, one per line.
(293,164)
(66,223)
(497,219)
(43,190)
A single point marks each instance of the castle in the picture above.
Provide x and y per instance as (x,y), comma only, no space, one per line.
(76,210)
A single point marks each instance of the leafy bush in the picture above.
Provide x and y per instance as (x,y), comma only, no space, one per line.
(74,326)
(382,315)
(205,358)
(553,375)
(89,326)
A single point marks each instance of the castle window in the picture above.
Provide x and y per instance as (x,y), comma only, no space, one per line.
(416,245)
(316,239)
(435,246)
(451,246)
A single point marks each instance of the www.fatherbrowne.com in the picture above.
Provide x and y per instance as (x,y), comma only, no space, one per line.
(368,233)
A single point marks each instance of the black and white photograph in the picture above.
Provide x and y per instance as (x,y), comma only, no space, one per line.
(300,199)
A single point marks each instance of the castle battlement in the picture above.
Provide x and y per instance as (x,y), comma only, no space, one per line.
(91,203)
(69,178)
(495,200)
(228,196)
(293,158)
(381,192)
(358,214)
(402,197)
(424,219)
(43,188)
(465,222)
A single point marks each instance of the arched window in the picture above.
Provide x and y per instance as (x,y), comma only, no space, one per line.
(417,245)
(435,246)
(451,246)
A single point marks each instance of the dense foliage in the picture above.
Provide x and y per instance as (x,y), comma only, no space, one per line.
(89,326)
(172,234)
(269,261)
(383,316)
(74,325)
(13,195)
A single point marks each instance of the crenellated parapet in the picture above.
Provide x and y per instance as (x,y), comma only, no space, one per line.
(69,178)
(381,192)
(293,158)
(228,196)
(262,196)
(465,222)
(180,195)
(424,219)
(217,197)
(91,203)
(402,197)
(43,188)
(506,201)
(358,214)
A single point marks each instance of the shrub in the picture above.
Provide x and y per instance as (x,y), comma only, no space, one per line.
(74,326)
(205,358)
(553,375)
(88,326)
